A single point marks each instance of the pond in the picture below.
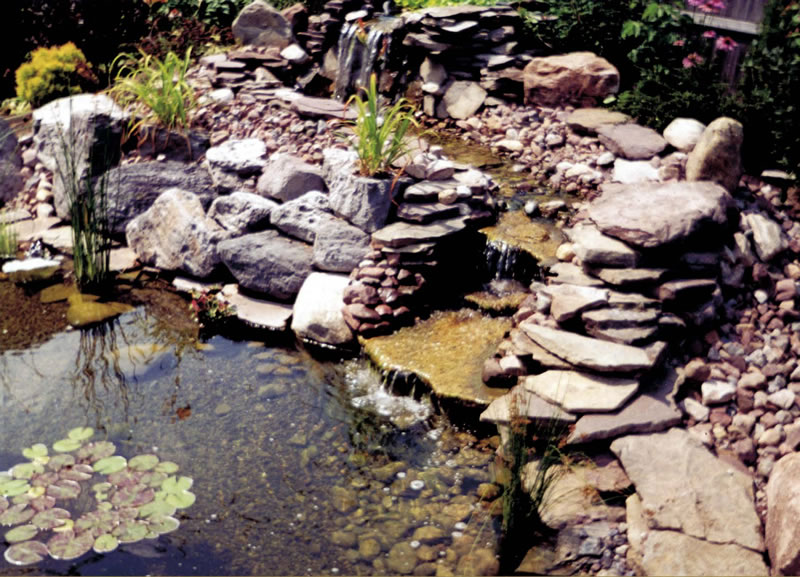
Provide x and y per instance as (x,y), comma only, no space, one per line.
(300,466)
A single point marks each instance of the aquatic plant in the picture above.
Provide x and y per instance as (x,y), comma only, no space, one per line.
(209,309)
(134,499)
(8,241)
(380,130)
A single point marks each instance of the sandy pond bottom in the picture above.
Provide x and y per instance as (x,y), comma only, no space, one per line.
(290,477)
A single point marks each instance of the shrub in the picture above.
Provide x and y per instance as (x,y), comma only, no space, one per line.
(52,73)
(380,130)
(212,12)
(8,240)
(157,89)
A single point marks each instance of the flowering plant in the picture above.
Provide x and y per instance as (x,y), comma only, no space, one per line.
(210,309)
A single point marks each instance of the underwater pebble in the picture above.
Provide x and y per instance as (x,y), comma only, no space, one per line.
(222,409)
(417,484)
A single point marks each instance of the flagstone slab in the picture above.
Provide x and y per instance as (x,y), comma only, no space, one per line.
(579,392)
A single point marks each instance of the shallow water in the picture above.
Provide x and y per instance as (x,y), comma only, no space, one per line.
(290,477)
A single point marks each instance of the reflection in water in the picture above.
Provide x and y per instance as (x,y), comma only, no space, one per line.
(290,476)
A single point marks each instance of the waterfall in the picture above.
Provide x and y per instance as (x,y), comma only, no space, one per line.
(503,261)
(365,54)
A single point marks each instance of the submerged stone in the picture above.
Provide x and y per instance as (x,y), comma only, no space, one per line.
(446,351)
(84,311)
(539,239)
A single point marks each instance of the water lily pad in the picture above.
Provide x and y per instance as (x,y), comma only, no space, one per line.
(66,445)
(175,484)
(3,504)
(143,462)
(67,526)
(27,470)
(109,465)
(50,518)
(36,452)
(161,524)
(26,553)
(157,507)
(13,487)
(167,467)
(105,506)
(17,514)
(68,546)
(21,533)
(36,491)
(101,487)
(131,531)
(64,489)
(132,496)
(153,479)
(43,503)
(105,543)
(181,500)
(125,478)
(56,462)
(77,472)
(81,433)
(92,452)
(45,479)
(97,522)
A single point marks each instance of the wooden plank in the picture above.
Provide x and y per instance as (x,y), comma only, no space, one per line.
(723,23)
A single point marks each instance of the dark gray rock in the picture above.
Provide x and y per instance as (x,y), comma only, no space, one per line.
(339,246)
(78,135)
(259,24)
(175,234)
(286,177)
(132,188)
(242,212)
(267,263)
(10,164)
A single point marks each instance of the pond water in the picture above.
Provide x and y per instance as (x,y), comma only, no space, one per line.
(297,466)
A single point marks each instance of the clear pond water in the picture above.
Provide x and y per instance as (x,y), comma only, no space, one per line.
(297,466)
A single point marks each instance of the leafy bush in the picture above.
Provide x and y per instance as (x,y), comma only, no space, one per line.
(212,12)
(380,130)
(157,89)
(8,241)
(420,4)
(52,73)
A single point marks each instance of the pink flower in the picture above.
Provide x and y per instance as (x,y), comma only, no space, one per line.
(695,3)
(679,42)
(709,34)
(725,43)
(692,60)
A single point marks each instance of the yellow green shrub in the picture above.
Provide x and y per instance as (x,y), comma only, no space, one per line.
(52,73)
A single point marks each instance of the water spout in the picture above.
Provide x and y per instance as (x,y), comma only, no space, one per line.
(345,53)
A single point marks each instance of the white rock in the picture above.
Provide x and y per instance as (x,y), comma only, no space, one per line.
(318,309)
(222,95)
(695,410)
(605,159)
(717,392)
(784,399)
(683,133)
(768,238)
(295,54)
(630,171)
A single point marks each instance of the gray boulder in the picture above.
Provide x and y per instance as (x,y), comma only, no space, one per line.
(175,234)
(363,201)
(631,141)
(132,188)
(268,263)
(259,24)
(286,177)
(78,135)
(241,212)
(339,246)
(234,161)
(717,155)
(10,164)
(783,508)
(463,98)
(304,216)
(318,310)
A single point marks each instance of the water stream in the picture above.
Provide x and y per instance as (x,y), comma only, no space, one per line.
(361,51)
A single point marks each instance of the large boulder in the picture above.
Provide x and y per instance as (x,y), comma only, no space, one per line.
(648,215)
(717,156)
(259,24)
(286,177)
(77,137)
(10,164)
(683,133)
(364,202)
(233,162)
(576,78)
(175,234)
(339,246)
(242,212)
(303,216)
(463,98)
(318,310)
(267,263)
(132,188)
(631,141)
(783,509)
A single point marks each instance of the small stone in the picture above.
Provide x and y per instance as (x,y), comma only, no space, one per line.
(695,410)
(783,398)
(717,392)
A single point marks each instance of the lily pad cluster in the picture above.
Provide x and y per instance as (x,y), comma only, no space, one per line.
(43,500)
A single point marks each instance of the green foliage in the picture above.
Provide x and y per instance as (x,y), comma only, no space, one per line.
(157,89)
(210,310)
(211,12)
(52,73)
(380,130)
(766,98)
(420,4)
(8,241)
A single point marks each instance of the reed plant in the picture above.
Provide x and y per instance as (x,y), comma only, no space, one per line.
(380,130)
(8,240)
(157,90)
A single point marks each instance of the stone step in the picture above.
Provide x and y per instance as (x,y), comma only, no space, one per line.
(424,213)
(627,277)
(579,392)
(400,234)
(627,336)
(619,318)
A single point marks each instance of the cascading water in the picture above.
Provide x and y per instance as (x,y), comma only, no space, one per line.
(361,51)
